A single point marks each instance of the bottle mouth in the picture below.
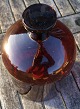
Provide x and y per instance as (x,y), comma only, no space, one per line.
(39,17)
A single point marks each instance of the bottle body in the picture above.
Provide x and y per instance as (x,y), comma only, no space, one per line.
(38,61)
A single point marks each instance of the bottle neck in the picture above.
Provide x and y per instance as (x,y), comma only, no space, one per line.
(39,19)
(38,36)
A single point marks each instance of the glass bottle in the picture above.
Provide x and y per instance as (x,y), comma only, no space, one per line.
(38,49)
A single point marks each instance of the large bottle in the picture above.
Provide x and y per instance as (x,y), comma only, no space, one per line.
(38,49)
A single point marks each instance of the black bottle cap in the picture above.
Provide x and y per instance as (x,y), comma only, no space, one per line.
(39,17)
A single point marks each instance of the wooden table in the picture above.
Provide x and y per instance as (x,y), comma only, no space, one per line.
(65,93)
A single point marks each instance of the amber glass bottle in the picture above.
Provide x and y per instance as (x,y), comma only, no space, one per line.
(38,49)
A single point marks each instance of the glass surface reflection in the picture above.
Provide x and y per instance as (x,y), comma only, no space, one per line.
(39,69)
(32,58)
(20,48)
(27,58)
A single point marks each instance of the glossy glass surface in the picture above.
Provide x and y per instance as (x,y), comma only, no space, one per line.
(35,60)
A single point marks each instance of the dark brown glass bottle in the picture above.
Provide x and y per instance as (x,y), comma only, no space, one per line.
(38,49)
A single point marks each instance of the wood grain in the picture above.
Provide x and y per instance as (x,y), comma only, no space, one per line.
(31,104)
(17,7)
(75,4)
(69,90)
(72,22)
(30,2)
(0,105)
(33,99)
(52,4)
(6,18)
(47,97)
(64,7)
(1,38)
(76,69)
(77,39)
(52,99)
(8,95)
(21,87)
(0,29)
